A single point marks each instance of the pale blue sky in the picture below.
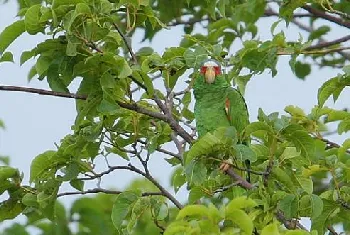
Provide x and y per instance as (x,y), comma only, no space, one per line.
(34,123)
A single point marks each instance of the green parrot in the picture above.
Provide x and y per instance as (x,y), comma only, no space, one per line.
(217,103)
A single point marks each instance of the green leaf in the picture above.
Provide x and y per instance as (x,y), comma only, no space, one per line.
(302,70)
(148,83)
(344,126)
(319,223)
(222,7)
(297,232)
(121,207)
(289,206)
(195,58)
(288,7)
(240,203)
(163,212)
(178,179)
(6,57)
(174,56)
(333,86)
(203,146)
(243,152)
(41,163)
(26,55)
(80,9)
(10,33)
(319,32)
(56,4)
(257,126)
(71,49)
(16,229)
(289,153)
(316,206)
(124,69)
(77,184)
(197,211)
(42,64)
(8,172)
(300,138)
(306,184)
(283,177)
(295,111)
(5,160)
(195,194)
(30,199)
(92,216)
(141,206)
(196,172)
(10,209)
(32,20)
(241,218)
(145,51)
(271,229)
(55,81)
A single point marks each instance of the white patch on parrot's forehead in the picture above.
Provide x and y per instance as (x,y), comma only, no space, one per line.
(211,63)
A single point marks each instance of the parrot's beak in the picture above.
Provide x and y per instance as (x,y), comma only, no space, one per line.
(210,74)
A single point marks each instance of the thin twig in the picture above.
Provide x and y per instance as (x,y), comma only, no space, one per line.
(344,204)
(161,150)
(132,168)
(160,187)
(249,170)
(331,230)
(106,191)
(132,54)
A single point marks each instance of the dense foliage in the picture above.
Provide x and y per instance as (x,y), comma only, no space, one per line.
(295,171)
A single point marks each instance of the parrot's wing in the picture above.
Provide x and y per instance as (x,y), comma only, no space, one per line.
(236,110)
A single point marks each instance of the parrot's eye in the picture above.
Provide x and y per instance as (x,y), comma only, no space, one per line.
(217,70)
(203,69)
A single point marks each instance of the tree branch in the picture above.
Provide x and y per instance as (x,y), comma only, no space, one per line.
(332,144)
(168,116)
(129,106)
(106,191)
(309,29)
(289,224)
(327,44)
(324,15)
(315,52)
(331,230)
(269,12)
(43,92)
(239,180)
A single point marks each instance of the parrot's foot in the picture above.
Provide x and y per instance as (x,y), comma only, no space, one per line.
(225,165)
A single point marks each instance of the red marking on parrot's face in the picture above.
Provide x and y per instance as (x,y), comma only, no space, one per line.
(217,69)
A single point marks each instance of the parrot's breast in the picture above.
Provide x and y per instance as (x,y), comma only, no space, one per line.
(209,111)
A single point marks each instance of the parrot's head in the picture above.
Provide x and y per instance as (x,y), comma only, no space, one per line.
(210,69)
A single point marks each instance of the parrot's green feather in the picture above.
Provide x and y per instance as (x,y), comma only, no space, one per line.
(209,110)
